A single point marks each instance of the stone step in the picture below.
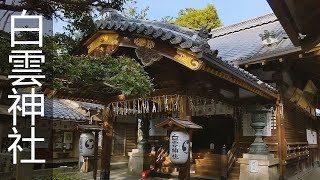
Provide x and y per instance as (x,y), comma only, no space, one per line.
(119,158)
(118,165)
(211,156)
(208,167)
(233,177)
(207,161)
(197,177)
(208,173)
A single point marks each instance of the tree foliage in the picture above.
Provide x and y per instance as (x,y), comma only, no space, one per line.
(120,73)
(50,8)
(62,68)
(194,18)
(131,10)
(80,14)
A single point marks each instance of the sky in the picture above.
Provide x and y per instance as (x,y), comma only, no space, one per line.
(229,11)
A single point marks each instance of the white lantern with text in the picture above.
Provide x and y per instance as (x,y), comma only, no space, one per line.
(179,147)
(86,144)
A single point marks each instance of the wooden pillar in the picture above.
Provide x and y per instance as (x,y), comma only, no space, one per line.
(318,140)
(237,118)
(107,134)
(281,139)
(95,167)
(2,130)
(184,172)
(24,171)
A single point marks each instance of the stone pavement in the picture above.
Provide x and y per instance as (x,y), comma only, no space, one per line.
(121,174)
(313,175)
(310,174)
(118,174)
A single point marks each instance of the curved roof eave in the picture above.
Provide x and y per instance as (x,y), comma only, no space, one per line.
(177,35)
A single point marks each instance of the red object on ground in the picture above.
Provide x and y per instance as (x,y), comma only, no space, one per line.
(145,174)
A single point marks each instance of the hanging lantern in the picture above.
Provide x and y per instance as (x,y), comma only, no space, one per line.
(86,144)
(179,147)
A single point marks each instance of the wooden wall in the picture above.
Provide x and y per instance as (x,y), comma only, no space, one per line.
(127,134)
(295,123)
(131,137)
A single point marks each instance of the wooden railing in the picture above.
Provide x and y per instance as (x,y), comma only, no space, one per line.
(296,151)
(232,156)
(162,153)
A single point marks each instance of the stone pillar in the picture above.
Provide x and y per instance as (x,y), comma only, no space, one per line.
(139,159)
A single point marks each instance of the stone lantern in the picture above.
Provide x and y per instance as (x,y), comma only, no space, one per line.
(259,121)
(258,163)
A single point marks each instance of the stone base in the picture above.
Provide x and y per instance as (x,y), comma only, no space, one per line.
(138,162)
(266,168)
(86,164)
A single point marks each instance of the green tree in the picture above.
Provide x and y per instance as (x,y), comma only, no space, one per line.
(80,14)
(167,19)
(62,68)
(194,18)
(131,10)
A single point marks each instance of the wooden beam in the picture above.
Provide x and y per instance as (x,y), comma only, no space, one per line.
(282,11)
(243,84)
(306,22)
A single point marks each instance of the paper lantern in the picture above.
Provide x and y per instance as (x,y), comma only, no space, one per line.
(86,144)
(179,147)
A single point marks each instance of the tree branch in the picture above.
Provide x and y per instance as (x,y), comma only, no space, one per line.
(15,8)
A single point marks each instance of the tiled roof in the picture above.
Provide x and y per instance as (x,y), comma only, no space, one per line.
(55,109)
(242,41)
(177,35)
(87,105)
(185,37)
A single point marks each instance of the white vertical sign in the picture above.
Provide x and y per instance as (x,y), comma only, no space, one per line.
(253,165)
